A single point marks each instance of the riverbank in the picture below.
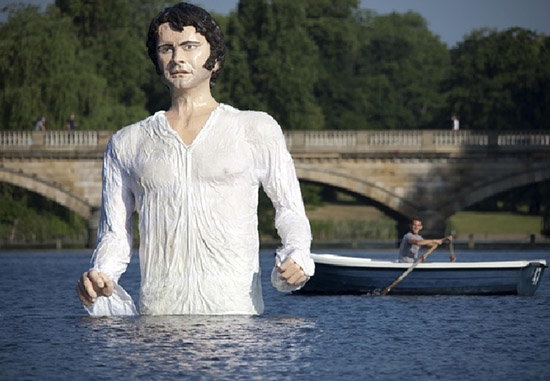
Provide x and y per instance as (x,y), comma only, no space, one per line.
(474,243)
(356,226)
(493,225)
(500,243)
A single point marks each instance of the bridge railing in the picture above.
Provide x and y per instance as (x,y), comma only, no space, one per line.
(333,141)
(394,138)
(71,138)
(469,138)
(37,142)
(415,141)
(522,139)
(15,138)
(334,138)
(49,138)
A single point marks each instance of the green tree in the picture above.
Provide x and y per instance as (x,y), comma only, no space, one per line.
(274,67)
(113,34)
(292,69)
(501,80)
(26,216)
(44,72)
(236,86)
(335,31)
(402,72)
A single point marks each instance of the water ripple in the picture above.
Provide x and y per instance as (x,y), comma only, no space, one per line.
(46,335)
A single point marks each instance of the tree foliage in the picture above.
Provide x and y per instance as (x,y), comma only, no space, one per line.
(44,72)
(501,80)
(83,57)
(337,35)
(29,217)
(272,63)
(402,73)
(312,64)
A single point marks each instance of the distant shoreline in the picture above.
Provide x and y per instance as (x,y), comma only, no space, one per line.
(483,242)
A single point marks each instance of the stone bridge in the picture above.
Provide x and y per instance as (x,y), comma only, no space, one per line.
(430,173)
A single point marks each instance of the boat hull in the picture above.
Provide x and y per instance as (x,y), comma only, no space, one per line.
(339,275)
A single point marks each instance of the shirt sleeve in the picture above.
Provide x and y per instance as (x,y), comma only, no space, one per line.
(115,234)
(282,187)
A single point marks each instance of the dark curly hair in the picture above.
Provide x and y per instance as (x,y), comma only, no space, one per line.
(184,14)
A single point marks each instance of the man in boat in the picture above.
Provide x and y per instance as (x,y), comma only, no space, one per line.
(193,175)
(411,242)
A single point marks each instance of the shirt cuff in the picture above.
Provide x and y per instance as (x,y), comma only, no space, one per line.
(120,303)
(302,258)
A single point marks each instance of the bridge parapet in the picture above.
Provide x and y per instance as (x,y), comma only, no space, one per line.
(63,139)
(522,139)
(416,141)
(310,142)
(35,143)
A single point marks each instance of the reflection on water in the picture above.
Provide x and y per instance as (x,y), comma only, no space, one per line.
(212,346)
(45,333)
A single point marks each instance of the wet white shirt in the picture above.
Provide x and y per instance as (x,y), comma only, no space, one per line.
(197,209)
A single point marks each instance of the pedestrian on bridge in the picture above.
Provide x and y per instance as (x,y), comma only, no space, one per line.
(70,123)
(40,124)
(455,123)
(193,174)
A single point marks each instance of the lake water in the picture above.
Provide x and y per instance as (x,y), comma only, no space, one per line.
(46,335)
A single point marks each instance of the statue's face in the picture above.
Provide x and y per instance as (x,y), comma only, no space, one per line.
(181,58)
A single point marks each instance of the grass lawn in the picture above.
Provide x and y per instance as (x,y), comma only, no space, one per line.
(494,223)
(343,212)
(463,223)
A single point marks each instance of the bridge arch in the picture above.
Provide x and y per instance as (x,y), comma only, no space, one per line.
(383,196)
(472,195)
(48,189)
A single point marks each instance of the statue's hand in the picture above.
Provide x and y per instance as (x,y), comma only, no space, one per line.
(93,284)
(291,272)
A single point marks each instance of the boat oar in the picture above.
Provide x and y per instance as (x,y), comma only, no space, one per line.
(451,248)
(411,268)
